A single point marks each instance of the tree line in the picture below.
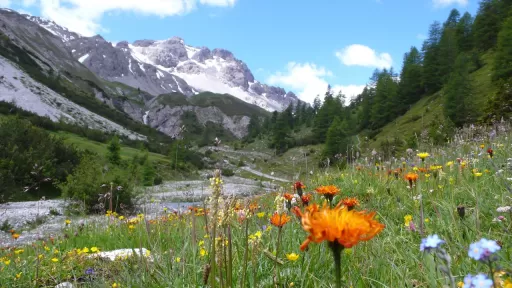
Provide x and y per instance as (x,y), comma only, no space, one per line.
(452,51)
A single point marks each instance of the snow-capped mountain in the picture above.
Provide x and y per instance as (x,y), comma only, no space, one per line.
(165,66)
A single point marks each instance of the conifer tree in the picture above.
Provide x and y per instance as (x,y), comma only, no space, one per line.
(487,23)
(432,77)
(114,151)
(464,33)
(410,88)
(337,139)
(502,69)
(459,105)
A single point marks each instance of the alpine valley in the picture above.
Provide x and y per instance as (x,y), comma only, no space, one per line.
(52,71)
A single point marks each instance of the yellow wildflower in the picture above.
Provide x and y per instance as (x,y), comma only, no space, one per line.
(94,249)
(203,252)
(55,260)
(115,285)
(292,256)
(407,220)
(85,250)
(7,262)
(423,155)
(460,284)
(178,259)
(261,214)
(19,251)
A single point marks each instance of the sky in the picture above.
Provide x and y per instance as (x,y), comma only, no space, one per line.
(299,45)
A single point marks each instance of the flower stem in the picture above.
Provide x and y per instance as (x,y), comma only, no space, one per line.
(276,267)
(246,252)
(336,252)
(492,274)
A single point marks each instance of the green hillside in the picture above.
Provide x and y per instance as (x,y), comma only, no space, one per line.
(229,105)
(101,148)
(428,111)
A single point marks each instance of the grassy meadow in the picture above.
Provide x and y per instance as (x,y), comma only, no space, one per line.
(459,192)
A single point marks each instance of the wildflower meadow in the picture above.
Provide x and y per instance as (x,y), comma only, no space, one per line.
(437,217)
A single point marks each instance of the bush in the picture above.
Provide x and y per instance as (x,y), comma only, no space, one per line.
(28,156)
(89,180)
(227,172)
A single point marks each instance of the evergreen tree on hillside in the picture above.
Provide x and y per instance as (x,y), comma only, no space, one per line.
(288,114)
(459,105)
(317,103)
(432,77)
(410,88)
(280,134)
(384,104)
(487,24)
(501,104)
(114,151)
(337,139)
(464,33)
(254,128)
(448,45)
(502,69)
(366,103)
(324,116)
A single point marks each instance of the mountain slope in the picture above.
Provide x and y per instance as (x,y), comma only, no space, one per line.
(167,66)
(428,113)
(60,83)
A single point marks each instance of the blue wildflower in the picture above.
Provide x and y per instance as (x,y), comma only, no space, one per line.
(482,249)
(477,281)
(89,271)
(431,242)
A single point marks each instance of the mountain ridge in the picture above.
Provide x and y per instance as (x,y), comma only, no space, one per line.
(170,65)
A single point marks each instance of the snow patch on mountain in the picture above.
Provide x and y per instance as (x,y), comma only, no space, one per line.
(83,58)
(16,86)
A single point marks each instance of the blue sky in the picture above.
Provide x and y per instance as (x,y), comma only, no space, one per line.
(299,45)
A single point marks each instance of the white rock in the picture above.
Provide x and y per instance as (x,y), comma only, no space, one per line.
(65,285)
(121,254)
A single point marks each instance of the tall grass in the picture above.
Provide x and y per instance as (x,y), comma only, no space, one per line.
(233,244)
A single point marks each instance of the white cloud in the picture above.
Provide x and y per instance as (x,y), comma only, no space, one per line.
(360,55)
(308,81)
(5,3)
(84,16)
(421,36)
(28,3)
(444,3)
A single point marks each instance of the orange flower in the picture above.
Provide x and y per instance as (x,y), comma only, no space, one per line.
(411,177)
(328,191)
(279,220)
(348,228)
(296,211)
(253,207)
(350,202)
(288,196)
(298,185)
(15,236)
(305,199)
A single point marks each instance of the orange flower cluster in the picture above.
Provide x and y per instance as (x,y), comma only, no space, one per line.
(288,196)
(279,220)
(305,199)
(350,202)
(348,228)
(411,177)
(328,191)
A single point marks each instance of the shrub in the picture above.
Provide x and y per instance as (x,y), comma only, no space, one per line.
(227,172)
(89,180)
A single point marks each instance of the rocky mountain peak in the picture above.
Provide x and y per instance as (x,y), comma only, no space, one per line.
(166,66)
